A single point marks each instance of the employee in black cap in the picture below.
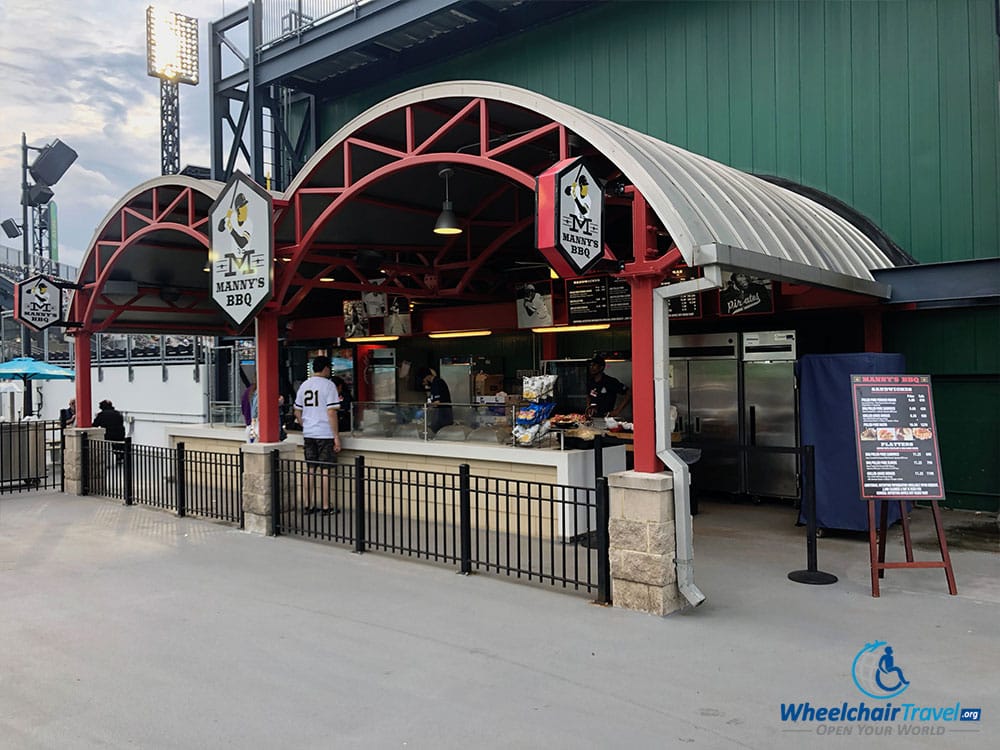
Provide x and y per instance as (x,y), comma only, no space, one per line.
(603,391)
(439,413)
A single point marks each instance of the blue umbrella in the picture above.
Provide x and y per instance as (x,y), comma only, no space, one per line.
(26,368)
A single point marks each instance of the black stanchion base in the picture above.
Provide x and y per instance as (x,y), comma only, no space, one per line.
(813,577)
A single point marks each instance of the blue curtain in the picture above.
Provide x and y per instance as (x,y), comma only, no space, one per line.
(826,413)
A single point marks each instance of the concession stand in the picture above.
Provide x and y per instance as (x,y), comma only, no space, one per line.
(473,211)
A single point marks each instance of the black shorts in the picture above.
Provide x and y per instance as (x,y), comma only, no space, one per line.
(319,451)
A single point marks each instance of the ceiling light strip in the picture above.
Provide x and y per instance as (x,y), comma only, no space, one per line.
(458,334)
(572,329)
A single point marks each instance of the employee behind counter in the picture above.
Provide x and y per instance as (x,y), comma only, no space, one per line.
(439,412)
(607,396)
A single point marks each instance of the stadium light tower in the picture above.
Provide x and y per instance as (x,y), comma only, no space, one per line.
(46,170)
(171,56)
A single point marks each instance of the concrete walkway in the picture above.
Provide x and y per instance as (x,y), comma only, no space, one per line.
(127,627)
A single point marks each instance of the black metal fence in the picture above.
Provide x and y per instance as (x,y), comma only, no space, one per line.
(547,533)
(198,483)
(31,456)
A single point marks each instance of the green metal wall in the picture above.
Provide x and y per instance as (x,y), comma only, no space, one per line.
(890,105)
(958,348)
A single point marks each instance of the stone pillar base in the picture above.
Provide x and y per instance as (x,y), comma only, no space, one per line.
(257,499)
(641,531)
(73,458)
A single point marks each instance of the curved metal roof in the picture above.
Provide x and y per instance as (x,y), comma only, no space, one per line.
(719,217)
(143,268)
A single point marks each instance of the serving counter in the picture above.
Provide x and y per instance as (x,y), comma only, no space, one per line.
(573,468)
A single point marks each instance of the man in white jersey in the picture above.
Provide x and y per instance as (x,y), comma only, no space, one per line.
(316,405)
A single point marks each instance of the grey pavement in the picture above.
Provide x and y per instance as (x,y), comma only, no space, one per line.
(125,627)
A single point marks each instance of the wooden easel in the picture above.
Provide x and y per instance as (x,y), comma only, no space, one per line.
(877,548)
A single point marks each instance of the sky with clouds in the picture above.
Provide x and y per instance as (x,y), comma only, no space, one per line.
(76,70)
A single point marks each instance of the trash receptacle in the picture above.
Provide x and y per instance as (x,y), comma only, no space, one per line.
(22,452)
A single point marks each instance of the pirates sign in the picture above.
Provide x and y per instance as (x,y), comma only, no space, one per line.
(570,217)
(38,302)
(242,251)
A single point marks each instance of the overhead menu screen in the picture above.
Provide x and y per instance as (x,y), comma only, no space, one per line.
(686,305)
(619,300)
(603,299)
(587,299)
(897,443)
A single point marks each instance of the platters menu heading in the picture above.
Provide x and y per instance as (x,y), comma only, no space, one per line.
(897,444)
(603,299)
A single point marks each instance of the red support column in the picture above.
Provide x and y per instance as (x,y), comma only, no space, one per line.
(267,377)
(645,277)
(81,361)
(549,349)
(643,395)
(873,330)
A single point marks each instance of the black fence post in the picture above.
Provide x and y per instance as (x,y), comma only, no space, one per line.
(84,464)
(603,542)
(359,504)
(128,470)
(239,491)
(181,483)
(275,493)
(598,456)
(62,459)
(465,518)
(812,574)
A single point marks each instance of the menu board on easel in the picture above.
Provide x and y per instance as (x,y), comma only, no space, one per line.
(896,437)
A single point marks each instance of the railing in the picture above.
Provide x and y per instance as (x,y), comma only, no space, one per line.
(548,533)
(31,455)
(12,264)
(281,19)
(199,483)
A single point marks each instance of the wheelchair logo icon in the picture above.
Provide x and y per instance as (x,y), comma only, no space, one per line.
(876,673)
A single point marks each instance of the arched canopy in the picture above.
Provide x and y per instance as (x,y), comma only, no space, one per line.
(143,268)
(359,216)
(374,185)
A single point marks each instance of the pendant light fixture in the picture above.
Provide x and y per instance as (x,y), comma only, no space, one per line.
(447,224)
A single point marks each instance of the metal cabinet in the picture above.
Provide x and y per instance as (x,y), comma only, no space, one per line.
(736,392)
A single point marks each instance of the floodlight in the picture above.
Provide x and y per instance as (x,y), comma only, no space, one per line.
(11,228)
(171,46)
(52,163)
(39,195)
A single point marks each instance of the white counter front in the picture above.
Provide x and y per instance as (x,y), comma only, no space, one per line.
(574,468)
(569,467)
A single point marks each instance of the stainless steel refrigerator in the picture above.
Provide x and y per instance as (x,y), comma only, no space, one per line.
(734,392)
(383,371)
(770,413)
(705,387)
(458,374)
